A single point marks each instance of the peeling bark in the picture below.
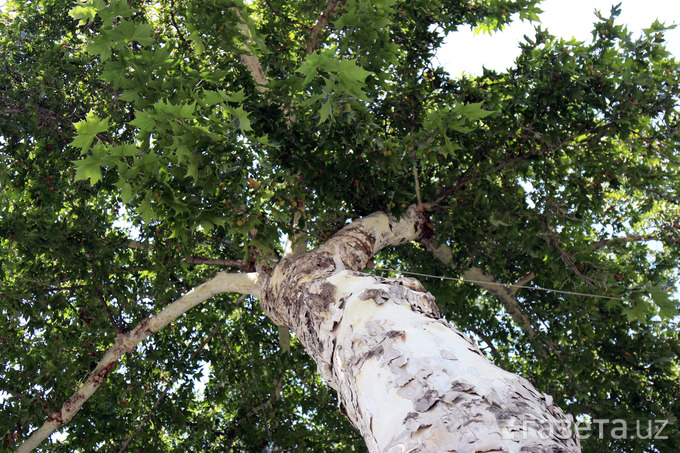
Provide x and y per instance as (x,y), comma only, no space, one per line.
(408,380)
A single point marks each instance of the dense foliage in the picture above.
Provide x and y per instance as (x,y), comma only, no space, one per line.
(140,151)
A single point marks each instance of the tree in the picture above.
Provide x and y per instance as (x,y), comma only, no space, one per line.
(147,145)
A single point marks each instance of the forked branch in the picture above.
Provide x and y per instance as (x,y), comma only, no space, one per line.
(506,294)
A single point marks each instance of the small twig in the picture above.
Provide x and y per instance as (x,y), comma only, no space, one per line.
(116,328)
(487,340)
(174,22)
(278,14)
(415,176)
(240,264)
(170,383)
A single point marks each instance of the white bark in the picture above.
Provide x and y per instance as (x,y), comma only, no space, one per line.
(223,282)
(409,381)
(406,379)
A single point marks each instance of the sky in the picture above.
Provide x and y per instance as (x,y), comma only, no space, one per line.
(464,51)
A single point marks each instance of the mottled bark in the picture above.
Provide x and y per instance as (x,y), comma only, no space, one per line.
(406,379)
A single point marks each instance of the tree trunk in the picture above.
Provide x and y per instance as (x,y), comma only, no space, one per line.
(407,380)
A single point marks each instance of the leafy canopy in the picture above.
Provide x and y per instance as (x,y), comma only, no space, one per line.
(138,140)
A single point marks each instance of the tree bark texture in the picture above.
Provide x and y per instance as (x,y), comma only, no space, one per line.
(406,379)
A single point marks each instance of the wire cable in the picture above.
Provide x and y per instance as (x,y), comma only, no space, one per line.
(505,285)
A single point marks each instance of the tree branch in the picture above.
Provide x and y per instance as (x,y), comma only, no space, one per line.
(506,294)
(239,264)
(250,283)
(116,328)
(630,238)
(250,60)
(278,13)
(173,20)
(321,24)
(494,352)
(553,239)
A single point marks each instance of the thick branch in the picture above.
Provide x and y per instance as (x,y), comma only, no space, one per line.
(321,24)
(506,294)
(250,283)
(350,248)
(250,60)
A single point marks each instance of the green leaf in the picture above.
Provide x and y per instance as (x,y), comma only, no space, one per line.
(353,78)
(199,47)
(126,192)
(166,110)
(145,209)
(668,308)
(239,96)
(86,11)
(100,45)
(217,97)
(144,121)
(211,97)
(183,154)
(115,73)
(473,111)
(242,116)
(129,96)
(88,168)
(638,310)
(136,32)
(192,170)
(116,8)
(309,67)
(325,112)
(124,150)
(349,71)
(88,130)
